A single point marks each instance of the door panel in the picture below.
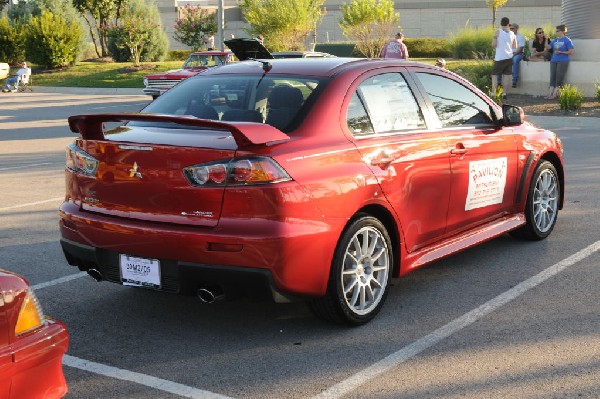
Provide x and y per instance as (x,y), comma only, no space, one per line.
(483,156)
(410,162)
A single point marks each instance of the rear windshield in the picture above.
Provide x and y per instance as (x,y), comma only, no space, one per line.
(276,100)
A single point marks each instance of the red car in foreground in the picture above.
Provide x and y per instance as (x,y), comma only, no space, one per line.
(31,344)
(317,179)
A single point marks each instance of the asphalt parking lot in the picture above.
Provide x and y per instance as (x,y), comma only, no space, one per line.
(505,319)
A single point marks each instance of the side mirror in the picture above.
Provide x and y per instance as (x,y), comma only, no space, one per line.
(512,115)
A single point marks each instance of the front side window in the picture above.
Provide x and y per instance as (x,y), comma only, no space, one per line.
(389,103)
(454,104)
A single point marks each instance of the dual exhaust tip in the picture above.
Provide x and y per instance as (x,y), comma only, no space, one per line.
(207,293)
(210,294)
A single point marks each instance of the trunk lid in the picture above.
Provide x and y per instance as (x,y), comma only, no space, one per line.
(140,166)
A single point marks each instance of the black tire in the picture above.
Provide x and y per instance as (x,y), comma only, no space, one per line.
(543,198)
(358,281)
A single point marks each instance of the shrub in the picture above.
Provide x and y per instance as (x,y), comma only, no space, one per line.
(597,84)
(570,97)
(428,47)
(478,73)
(11,44)
(138,36)
(52,41)
(178,55)
(472,43)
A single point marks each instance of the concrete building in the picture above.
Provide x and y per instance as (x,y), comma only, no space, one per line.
(427,18)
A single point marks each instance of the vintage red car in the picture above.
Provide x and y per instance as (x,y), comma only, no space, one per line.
(304,178)
(157,83)
(31,344)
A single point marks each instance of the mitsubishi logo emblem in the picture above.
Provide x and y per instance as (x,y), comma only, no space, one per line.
(133,172)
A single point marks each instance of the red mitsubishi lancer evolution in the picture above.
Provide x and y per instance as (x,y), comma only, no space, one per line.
(315,179)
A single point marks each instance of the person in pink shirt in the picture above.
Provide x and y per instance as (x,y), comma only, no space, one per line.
(395,48)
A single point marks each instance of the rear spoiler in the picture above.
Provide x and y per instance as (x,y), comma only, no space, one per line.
(244,133)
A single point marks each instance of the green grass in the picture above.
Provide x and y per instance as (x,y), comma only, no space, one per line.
(100,74)
(120,75)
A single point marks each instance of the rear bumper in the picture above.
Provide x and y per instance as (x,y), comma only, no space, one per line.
(285,259)
(37,368)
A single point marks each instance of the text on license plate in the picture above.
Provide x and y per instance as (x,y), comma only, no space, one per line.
(140,272)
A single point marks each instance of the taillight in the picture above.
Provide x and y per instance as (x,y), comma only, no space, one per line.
(241,171)
(80,161)
(31,315)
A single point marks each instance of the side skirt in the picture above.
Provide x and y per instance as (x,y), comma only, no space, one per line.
(460,242)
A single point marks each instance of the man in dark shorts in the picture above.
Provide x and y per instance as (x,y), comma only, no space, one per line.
(504,42)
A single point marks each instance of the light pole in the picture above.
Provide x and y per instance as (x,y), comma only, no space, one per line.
(220,24)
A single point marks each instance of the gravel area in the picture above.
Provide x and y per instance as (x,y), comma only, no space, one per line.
(540,106)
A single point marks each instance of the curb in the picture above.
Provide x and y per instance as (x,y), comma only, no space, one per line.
(89,90)
(556,122)
(547,122)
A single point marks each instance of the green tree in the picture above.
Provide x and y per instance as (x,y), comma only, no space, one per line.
(99,14)
(136,29)
(370,24)
(11,42)
(52,41)
(195,23)
(494,5)
(285,25)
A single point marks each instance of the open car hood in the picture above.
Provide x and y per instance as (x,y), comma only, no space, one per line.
(245,48)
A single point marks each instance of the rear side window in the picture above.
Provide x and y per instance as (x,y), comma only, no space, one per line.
(454,104)
(383,104)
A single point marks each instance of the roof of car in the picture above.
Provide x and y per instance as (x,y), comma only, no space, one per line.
(302,66)
(212,52)
(299,54)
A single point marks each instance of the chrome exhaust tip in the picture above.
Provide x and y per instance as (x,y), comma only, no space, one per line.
(95,274)
(210,294)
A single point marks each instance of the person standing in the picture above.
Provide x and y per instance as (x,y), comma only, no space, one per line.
(504,42)
(562,49)
(395,48)
(518,53)
(209,41)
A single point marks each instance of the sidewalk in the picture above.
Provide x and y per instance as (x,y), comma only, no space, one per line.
(88,90)
(547,122)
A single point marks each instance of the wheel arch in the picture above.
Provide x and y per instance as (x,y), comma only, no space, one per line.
(555,161)
(387,219)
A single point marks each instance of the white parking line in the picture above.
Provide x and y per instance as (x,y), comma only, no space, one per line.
(29,165)
(58,281)
(8,208)
(142,379)
(454,326)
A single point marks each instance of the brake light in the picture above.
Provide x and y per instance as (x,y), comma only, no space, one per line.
(80,161)
(241,171)
(31,315)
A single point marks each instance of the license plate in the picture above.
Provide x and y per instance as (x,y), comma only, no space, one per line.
(140,272)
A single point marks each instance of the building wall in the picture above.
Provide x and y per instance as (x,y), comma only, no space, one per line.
(428,18)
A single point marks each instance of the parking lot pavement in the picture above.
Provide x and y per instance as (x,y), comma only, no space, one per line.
(506,319)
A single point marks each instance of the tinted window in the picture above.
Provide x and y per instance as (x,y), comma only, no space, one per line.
(357,118)
(275,99)
(454,103)
(390,104)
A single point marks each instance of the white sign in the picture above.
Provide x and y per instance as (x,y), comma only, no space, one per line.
(140,272)
(487,179)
